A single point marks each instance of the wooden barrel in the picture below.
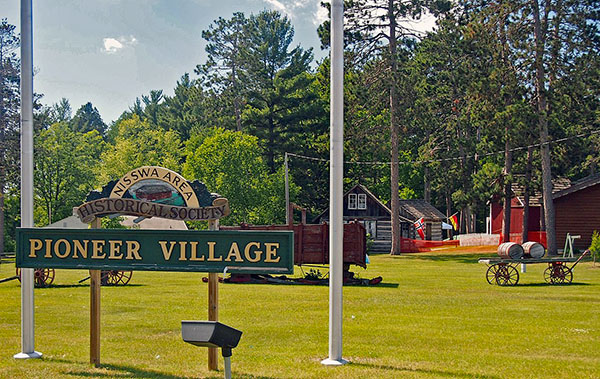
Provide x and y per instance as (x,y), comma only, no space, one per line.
(533,249)
(510,250)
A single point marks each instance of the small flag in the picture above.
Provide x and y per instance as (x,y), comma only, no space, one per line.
(454,221)
(420,227)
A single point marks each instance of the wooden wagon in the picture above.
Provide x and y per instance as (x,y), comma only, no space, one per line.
(311,242)
(503,272)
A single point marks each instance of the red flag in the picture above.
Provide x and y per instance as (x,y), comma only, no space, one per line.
(454,221)
(420,227)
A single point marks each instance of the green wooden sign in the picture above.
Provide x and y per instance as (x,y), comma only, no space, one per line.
(156,250)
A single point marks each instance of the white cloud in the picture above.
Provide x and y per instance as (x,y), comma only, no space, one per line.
(293,8)
(320,15)
(112,45)
(278,5)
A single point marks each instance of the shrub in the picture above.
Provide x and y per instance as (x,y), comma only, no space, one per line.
(595,246)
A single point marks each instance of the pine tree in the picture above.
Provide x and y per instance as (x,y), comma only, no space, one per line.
(9,115)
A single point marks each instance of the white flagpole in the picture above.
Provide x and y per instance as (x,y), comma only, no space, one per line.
(336,226)
(27,308)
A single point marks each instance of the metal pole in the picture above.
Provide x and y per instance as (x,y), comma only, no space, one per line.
(27,307)
(227,365)
(287,191)
(336,226)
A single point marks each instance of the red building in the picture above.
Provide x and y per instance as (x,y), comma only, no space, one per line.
(577,211)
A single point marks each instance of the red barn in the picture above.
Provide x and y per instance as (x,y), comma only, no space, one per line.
(577,211)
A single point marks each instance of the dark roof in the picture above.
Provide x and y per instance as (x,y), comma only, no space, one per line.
(579,185)
(363,189)
(375,198)
(416,208)
(535,199)
(372,196)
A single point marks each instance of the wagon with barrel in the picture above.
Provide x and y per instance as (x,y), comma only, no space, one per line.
(503,270)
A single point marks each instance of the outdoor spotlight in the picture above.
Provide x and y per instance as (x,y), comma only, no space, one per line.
(212,334)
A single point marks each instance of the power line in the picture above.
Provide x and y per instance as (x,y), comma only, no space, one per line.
(373,163)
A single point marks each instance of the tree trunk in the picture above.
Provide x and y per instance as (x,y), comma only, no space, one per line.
(394,187)
(236,99)
(426,185)
(527,189)
(542,112)
(507,190)
(1,219)
(448,212)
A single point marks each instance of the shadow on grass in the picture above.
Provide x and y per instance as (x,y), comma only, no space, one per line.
(58,286)
(120,371)
(451,374)
(577,284)
(460,258)
(326,284)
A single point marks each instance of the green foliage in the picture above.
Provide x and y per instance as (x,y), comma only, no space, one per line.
(64,170)
(9,123)
(231,164)
(313,274)
(595,246)
(12,218)
(136,144)
(113,223)
(87,118)
(282,105)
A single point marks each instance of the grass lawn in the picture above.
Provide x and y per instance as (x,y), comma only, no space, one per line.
(434,315)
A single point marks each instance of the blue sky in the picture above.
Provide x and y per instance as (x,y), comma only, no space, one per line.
(111,51)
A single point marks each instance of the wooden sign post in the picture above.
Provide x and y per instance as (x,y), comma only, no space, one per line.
(213,305)
(95,309)
(152,191)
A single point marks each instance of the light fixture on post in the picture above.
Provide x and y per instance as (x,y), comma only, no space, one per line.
(212,334)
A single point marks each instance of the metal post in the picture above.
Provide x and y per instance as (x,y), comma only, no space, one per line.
(27,306)
(287,190)
(523,267)
(227,365)
(336,226)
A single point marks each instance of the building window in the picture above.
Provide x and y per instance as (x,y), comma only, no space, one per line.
(362,201)
(352,201)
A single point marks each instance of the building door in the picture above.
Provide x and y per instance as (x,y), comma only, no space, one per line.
(371,228)
(428,231)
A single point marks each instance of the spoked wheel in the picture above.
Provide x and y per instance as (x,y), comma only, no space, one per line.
(558,273)
(490,274)
(506,275)
(115,278)
(42,277)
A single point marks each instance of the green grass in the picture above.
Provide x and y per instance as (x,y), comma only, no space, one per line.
(434,315)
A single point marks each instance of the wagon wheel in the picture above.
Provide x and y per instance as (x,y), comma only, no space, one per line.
(507,275)
(549,275)
(491,273)
(42,277)
(115,277)
(558,274)
(125,277)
